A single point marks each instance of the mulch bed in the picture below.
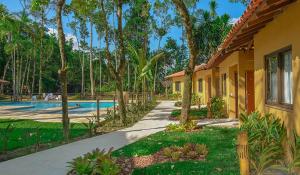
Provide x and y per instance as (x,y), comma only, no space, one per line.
(127,165)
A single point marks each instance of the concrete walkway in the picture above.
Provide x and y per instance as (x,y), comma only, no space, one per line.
(54,161)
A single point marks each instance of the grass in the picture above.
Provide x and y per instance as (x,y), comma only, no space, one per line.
(222,157)
(24,132)
(194,113)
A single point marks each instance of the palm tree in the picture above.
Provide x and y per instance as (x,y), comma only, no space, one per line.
(144,66)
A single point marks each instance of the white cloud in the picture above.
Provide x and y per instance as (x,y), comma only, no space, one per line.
(233,20)
(69,37)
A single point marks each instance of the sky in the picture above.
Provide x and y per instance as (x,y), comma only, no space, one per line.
(234,10)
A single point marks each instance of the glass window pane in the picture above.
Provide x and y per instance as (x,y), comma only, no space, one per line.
(272,94)
(287,78)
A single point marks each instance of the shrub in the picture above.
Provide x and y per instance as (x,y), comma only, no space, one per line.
(266,134)
(188,126)
(217,107)
(95,163)
(175,156)
(194,114)
(167,152)
(175,128)
(201,149)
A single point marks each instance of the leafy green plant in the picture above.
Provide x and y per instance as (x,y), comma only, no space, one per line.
(266,134)
(201,149)
(175,156)
(217,107)
(186,127)
(95,163)
(175,128)
(167,152)
(5,136)
(91,125)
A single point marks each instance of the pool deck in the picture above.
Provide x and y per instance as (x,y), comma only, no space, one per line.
(48,115)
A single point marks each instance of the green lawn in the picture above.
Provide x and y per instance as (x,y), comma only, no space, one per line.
(24,132)
(194,113)
(221,160)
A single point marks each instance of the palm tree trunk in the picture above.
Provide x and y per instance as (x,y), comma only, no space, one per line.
(4,73)
(33,74)
(187,91)
(156,67)
(91,61)
(82,76)
(63,70)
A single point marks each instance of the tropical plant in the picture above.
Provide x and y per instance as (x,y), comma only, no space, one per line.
(266,134)
(94,163)
(144,66)
(217,107)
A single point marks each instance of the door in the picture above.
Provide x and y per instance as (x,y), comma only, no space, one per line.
(236,94)
(250,91)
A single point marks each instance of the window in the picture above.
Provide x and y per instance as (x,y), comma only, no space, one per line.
(200,85)
(177,86)
(279,80)
(223,84)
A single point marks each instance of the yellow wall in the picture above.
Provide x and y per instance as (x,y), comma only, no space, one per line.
(239,62)
(282,32)
(175,79)
(203,74)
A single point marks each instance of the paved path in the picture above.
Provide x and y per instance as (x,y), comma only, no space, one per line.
(54,161)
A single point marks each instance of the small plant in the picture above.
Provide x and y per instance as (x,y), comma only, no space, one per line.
(201,149)
(91,126)
(167,152)
(175,156)
(95,163)
(190,125)
(175,128)
(217,107)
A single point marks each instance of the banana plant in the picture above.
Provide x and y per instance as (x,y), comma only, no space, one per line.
(144,65)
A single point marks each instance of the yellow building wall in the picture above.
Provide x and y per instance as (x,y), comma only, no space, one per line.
(283,31)
(174,80)
(239,62)
(227,66)
(203,74)
(246,63)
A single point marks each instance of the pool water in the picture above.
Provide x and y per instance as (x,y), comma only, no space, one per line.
(37,106)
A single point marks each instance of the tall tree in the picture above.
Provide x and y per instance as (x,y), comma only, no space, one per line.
(63,69)
(189,70)
(118,73)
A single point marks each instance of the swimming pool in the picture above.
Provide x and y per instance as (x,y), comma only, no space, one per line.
(83,107)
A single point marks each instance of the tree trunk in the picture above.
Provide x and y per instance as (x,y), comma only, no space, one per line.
(187,90)
(33,74)
(63,70)
(119,73)
(41,57)
(156,67)
(91,62)
(100,64)
(4,73)
(14,76)
(82,76)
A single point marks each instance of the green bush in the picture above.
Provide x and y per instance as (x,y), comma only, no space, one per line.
(217,107)
(266,134)
(95,163)
(186,127)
